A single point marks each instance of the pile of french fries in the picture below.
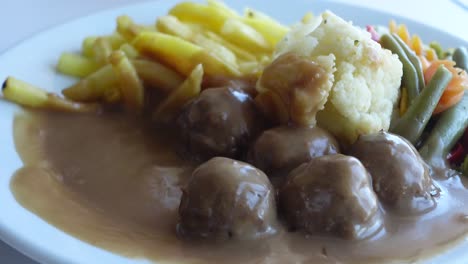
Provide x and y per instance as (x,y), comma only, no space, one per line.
(192,41)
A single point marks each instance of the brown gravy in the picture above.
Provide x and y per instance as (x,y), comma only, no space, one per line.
(114,182)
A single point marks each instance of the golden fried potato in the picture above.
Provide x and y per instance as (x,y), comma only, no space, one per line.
(100,85)
(235,31)
(193,39)
(127,28)
(270,29)
(241,53)
(101,50)
(217,50)
(129,50)
(210,16)
(170,50)
(25,94)
(87,46)
(76,65)
(115,41)
(181,55)
(173,26)
(189,89)
(155,75)
(130,85)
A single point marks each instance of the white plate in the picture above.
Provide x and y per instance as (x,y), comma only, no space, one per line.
(33,60)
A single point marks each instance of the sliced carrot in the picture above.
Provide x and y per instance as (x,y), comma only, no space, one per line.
(454,90)
(449,102)
(430,71)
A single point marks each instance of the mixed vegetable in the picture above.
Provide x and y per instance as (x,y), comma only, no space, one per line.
(432,91)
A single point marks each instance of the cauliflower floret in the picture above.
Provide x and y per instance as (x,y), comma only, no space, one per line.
(366,80)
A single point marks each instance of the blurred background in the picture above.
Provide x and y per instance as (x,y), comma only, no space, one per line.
(23,18)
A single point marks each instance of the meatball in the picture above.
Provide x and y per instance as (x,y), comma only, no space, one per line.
(279,150)
(225,199)
(331,195)
(400,177)
(219,122)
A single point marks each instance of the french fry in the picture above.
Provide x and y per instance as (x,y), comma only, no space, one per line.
(243,35)
(25,94)
(250,67)
(129,50)
(87,46)
(196,28)
(214,65)
(76,65)
(271,30)
(115,41)
(100,85)
(192,32)
(210,16)
(127,28)
(101,50)
(170,50)
(193,40)
(189,89)
(216,49)
(222,6)
(172,26)
(180,54)
(157,75)
(131,87)
(238,51)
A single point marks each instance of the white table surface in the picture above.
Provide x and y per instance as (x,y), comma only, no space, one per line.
(22,18)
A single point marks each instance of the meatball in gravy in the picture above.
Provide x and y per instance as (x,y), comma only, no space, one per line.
(400,177)
(279,150)
(227,198)
(331,195)
(219,122)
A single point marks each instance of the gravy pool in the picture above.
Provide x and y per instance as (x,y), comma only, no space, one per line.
(115,182)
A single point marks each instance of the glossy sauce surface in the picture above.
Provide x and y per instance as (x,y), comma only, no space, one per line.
(115,182)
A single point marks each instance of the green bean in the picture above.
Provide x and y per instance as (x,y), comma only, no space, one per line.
(410,77)
(460,56)
(413,122)
(438,49)
(414,60)
(446,132)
